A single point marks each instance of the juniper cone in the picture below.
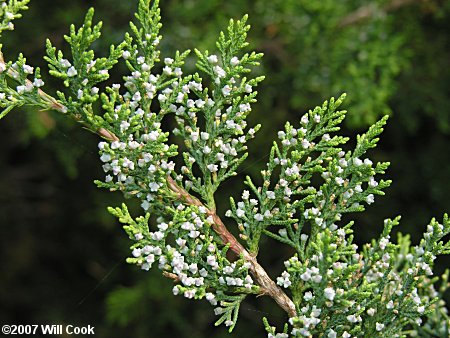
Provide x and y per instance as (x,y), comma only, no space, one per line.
(329,287)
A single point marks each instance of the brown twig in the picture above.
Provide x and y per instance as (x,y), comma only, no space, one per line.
(170,275)
(368,11)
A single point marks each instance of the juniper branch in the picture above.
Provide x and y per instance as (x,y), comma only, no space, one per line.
(341,291)
(54,104)
(267,285)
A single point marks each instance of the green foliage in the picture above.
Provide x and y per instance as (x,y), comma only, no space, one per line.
(231,93)
(304,152)
(83,73)
(26,93)
(331,287)
(10,10)
(229,309)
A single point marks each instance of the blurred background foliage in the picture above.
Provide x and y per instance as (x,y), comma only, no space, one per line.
(63,256)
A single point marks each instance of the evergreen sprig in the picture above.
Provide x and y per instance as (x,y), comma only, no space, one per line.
(16,89)
(330,287)
(84,72)
(10,10)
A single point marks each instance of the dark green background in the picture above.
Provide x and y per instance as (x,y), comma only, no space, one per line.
(63,257)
